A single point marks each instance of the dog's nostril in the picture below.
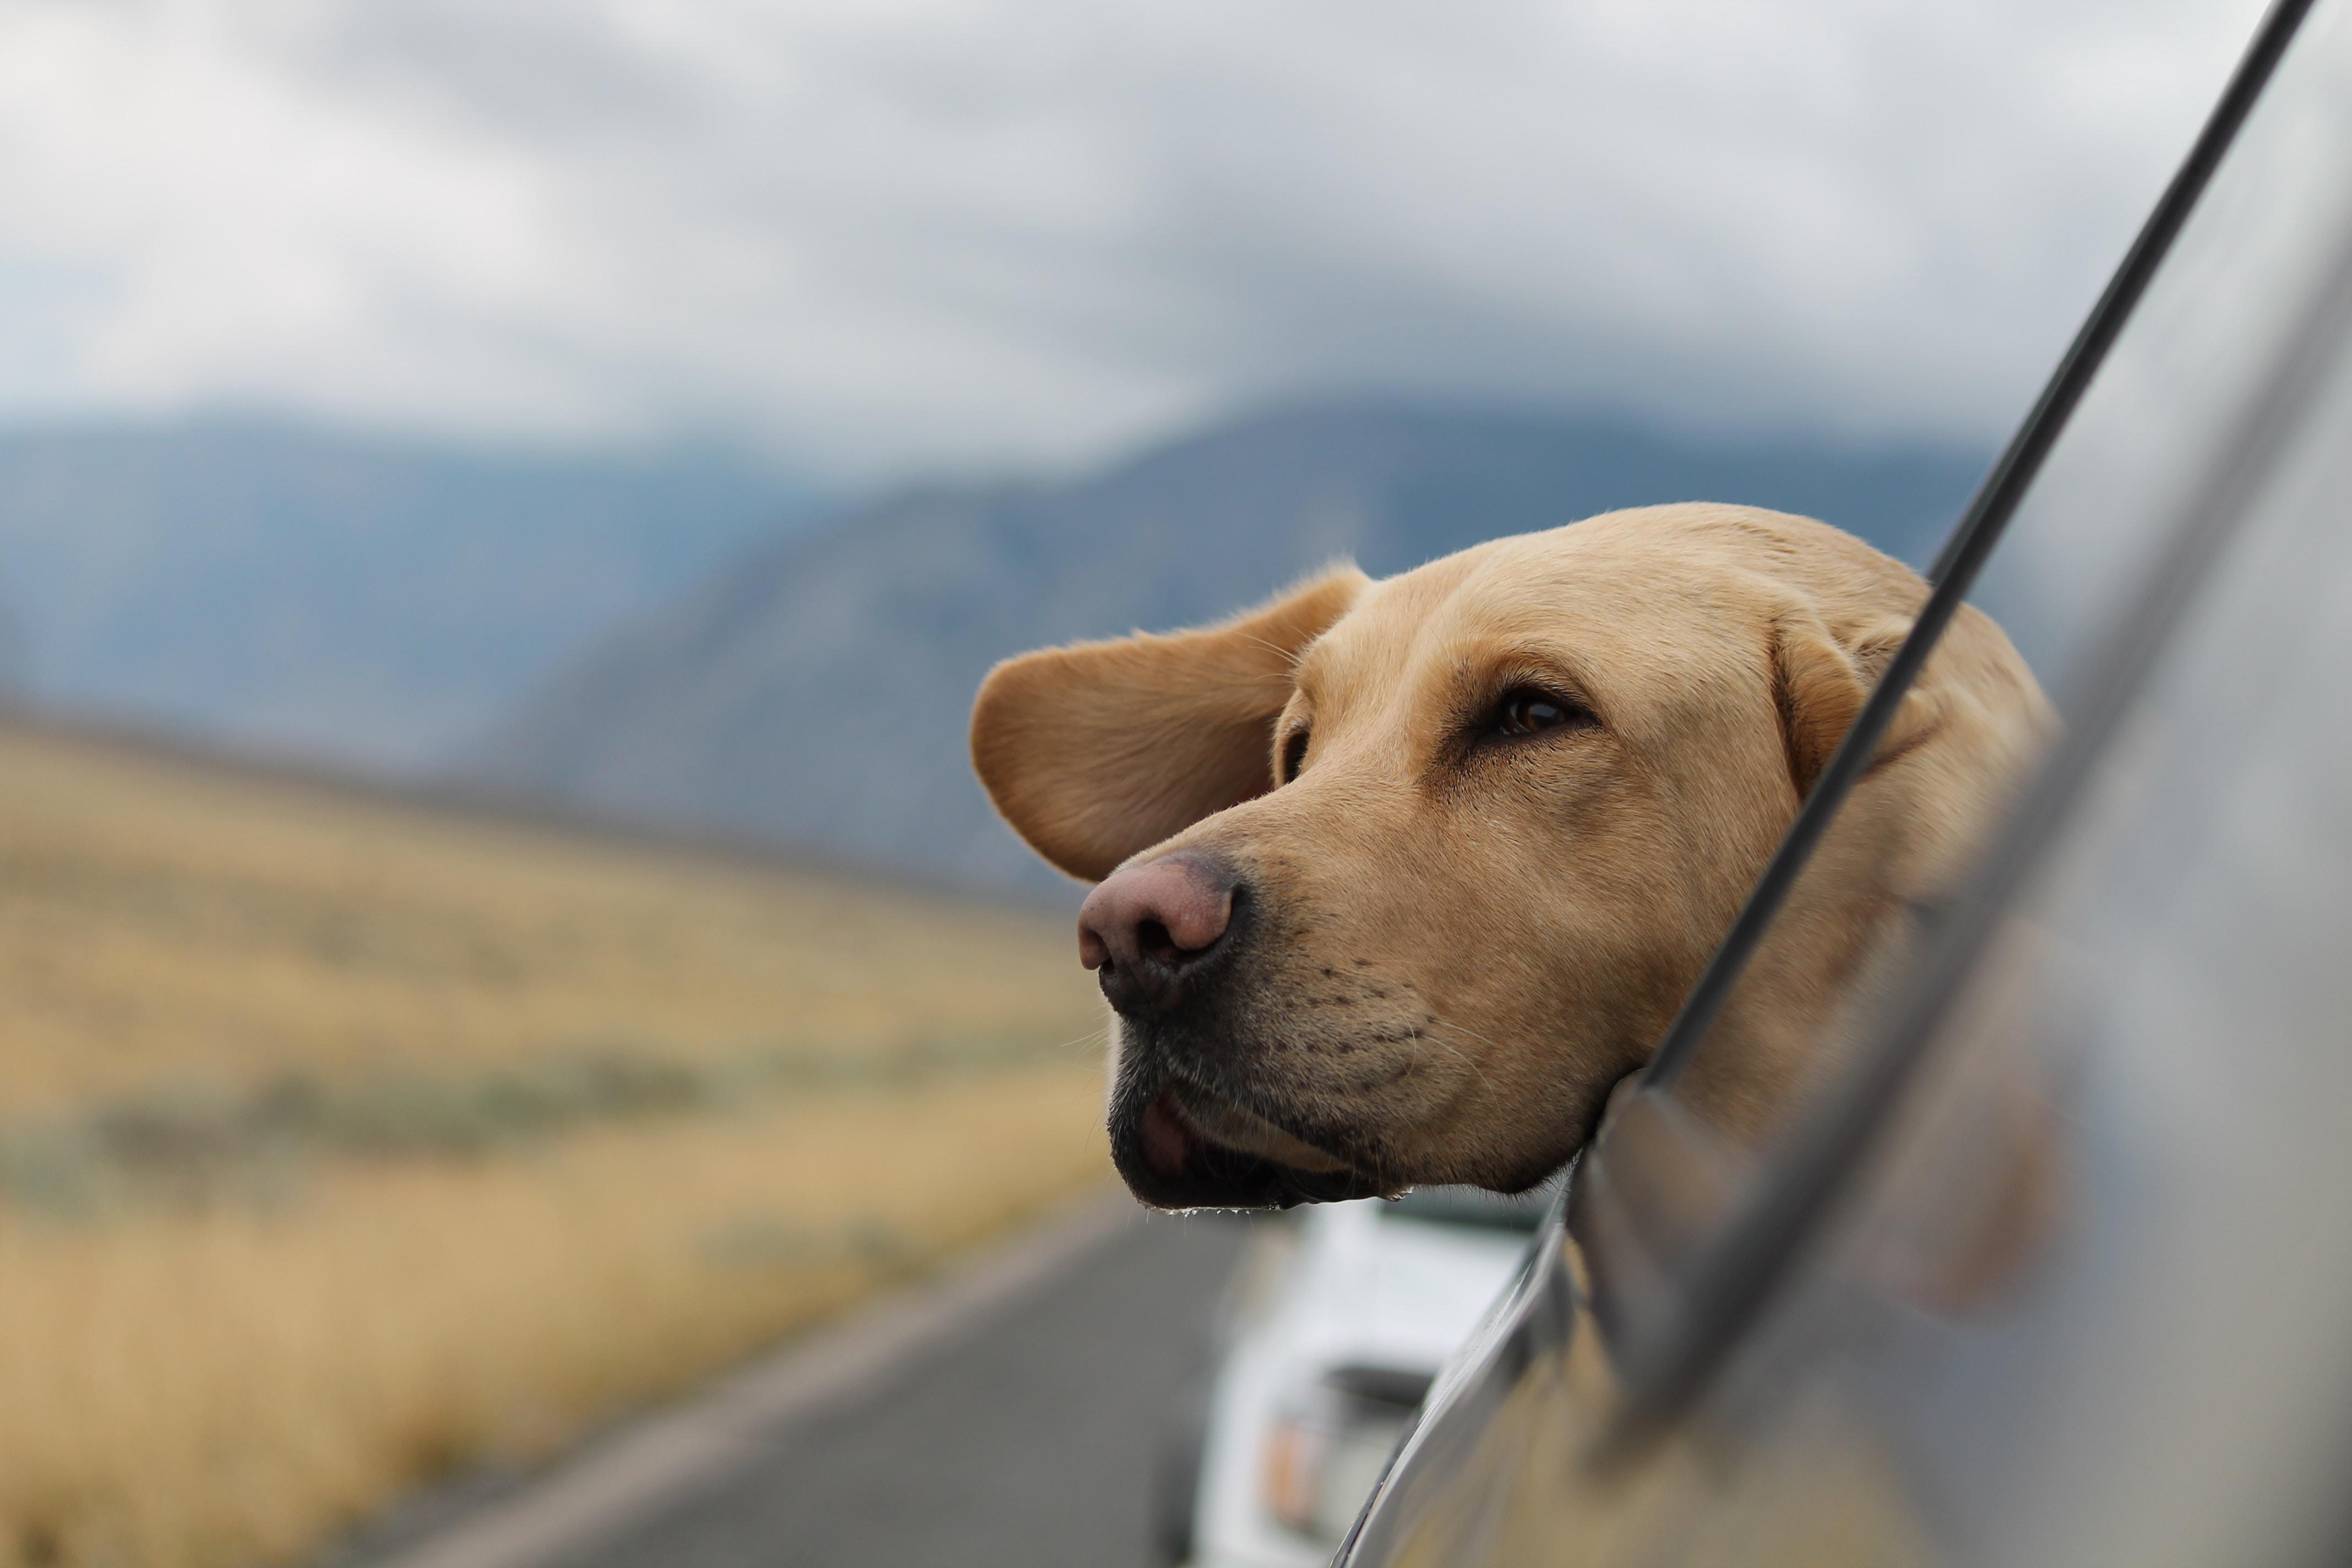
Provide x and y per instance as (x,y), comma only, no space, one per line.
(1147,926)
(1152,941)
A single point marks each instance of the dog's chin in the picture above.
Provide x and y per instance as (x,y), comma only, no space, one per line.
(1179,1148)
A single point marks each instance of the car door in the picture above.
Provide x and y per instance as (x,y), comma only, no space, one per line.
(2054,1264)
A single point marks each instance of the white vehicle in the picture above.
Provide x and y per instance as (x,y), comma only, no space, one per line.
(1337,1319)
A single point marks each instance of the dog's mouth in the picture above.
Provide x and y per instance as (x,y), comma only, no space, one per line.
(1180,1148)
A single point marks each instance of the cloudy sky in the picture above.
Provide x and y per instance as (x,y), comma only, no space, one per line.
(877,235)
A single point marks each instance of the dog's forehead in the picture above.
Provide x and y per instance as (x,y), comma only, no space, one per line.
(1580,588)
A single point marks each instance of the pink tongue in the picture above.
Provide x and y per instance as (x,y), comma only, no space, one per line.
(1167,1141)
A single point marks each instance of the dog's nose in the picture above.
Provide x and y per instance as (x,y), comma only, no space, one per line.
(1147,926)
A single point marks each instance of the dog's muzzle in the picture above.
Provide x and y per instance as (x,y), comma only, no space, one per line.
(1166,939)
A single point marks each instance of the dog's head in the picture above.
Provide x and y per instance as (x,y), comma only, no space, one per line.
(1397,878)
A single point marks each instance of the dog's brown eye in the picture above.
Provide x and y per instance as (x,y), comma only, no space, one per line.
(1294,757)
(1529,713)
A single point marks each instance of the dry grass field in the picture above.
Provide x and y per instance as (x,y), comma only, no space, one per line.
(345,1142)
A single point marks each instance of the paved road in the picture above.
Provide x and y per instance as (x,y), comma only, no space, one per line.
(1026,1441)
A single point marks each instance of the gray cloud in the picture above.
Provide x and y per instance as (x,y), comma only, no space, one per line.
(877,233)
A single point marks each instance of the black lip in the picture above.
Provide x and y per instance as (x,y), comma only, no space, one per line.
(1213,1176)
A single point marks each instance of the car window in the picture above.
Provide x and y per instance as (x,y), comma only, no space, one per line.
(2237,297)
(2069,558)
(2083,1297)
(2049,1271)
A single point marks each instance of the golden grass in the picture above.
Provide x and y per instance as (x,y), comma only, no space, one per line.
(229,1386)
(228,1379)
(162,918)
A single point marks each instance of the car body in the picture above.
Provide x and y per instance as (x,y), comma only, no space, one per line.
(2056,1266)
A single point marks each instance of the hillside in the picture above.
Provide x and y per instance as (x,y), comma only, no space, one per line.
(356,597)
(345,1142)
(815,692)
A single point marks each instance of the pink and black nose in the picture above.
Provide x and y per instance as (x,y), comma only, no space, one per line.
(1151,930)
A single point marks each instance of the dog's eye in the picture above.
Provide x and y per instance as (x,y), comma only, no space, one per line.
(1530,712)
(1294,757)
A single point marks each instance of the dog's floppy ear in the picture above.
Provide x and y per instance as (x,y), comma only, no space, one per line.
(1820,682)
(1095,750)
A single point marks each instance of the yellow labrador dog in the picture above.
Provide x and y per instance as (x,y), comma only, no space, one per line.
(1397,878)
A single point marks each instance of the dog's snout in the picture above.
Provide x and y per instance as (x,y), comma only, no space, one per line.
(1147,927)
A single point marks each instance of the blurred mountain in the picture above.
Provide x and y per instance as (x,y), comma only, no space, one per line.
(366,600)
(815,692)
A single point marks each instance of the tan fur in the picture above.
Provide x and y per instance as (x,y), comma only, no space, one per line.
(1464,943)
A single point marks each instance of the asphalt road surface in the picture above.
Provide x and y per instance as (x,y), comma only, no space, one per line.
(1027,1439)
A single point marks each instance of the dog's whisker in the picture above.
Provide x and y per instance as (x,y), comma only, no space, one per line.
(1448,1024)
(1431,1035)
(1289,656)
(1091,1038)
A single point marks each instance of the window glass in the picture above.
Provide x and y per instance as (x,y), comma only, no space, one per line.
(2093,1308)
(2084,1300)
(2076,551)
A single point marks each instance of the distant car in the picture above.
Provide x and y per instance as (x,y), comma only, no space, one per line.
(1338,1318)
